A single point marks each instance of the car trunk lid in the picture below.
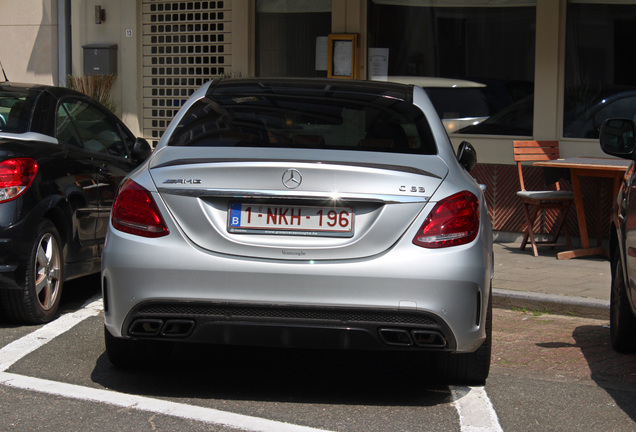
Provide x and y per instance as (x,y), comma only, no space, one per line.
(294,204)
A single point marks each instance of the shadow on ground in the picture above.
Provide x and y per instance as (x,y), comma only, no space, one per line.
(614,372)
(281,375)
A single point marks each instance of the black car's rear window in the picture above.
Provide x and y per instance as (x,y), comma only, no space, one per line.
(309,119)
(15,109)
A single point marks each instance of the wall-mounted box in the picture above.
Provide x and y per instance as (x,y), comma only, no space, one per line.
(100,59)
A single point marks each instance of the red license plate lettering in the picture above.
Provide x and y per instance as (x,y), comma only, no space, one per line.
(303,219)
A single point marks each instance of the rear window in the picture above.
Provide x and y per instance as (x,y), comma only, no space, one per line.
(15,110)
(382,123)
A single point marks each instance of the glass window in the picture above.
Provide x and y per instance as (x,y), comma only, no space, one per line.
(15,109)
(82,125)
(310,117)
(66,132)
(286,33)
(600,61)
(484,48)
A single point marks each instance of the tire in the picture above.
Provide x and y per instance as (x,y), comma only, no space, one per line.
(466,368)
(41,280)
(136,354)
(622,319)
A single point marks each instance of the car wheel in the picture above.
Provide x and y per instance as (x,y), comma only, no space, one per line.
(622,320)
(466,368)
(41,282)
(135,353)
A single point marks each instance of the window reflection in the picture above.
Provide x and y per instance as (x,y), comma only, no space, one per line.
(490,44)
(599,73)
(286,33)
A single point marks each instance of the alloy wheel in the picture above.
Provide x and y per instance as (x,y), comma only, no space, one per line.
(47,271)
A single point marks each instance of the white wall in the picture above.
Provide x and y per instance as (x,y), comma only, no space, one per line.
(121,15)
(28,35)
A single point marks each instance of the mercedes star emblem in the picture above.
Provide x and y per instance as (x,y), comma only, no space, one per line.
(292,178)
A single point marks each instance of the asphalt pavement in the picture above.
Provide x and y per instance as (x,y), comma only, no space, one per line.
(577,287)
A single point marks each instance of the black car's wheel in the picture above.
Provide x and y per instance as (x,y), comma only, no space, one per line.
(136,354)
(466,368)
(622,320)
(41,281)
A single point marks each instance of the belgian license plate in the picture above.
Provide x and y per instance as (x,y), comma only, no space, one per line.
(290,220)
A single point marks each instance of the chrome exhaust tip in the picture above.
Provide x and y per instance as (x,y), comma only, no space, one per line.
(396,337)
(428,338)
(145,327)
(177,328)
(156,327)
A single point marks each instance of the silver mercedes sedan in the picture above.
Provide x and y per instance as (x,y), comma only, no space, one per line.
(303,213)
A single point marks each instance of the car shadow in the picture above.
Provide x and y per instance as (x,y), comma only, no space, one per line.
(78,291)
(281,375)
(612,371)
(75,293)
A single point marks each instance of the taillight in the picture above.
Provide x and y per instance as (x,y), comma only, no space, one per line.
(453,221)
(16,175)
(135,212)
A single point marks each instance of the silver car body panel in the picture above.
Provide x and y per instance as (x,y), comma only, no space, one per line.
(377,268)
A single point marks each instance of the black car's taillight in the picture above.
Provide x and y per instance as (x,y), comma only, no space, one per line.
(16,175)
(135,212)
(453,221)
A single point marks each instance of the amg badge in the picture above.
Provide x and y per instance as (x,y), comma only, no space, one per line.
(182,181)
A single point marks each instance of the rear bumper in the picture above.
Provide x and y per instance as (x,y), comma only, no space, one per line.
(12,253)
(287,326)
(18,222)
(178,291)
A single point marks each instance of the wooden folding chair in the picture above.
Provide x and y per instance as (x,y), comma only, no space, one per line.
(533,202)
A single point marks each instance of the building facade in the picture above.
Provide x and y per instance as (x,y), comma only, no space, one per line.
(540,69)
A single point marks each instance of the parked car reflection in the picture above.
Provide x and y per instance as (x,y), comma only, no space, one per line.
(459,103)
(585,110)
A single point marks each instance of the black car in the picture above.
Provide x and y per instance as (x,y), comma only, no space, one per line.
(618,139)
(62,156)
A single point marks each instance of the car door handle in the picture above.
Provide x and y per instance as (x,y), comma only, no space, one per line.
(622,209)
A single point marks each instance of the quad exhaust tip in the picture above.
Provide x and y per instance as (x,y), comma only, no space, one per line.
(407,338)
(170,328)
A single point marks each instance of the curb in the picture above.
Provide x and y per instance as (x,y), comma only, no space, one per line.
(553,303)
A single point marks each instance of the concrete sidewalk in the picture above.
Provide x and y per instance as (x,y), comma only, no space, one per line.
(579,286)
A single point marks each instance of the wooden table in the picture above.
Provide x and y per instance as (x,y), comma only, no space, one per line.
(587,167)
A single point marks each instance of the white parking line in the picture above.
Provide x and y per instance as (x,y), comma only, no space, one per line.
(14,351)
(475,410)
(476,413)
(17,349)
(158,406)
